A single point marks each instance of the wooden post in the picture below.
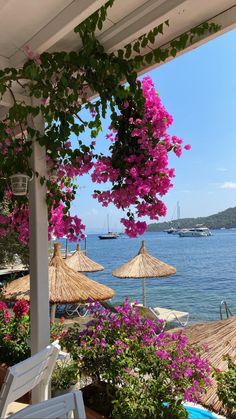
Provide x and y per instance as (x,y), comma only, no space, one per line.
(38,244)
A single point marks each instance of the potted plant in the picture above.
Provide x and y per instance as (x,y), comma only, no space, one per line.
(137,369)
(64,376)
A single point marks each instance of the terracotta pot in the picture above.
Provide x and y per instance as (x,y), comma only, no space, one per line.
(91,414)
(24,399)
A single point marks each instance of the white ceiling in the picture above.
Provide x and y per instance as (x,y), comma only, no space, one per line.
(48,24)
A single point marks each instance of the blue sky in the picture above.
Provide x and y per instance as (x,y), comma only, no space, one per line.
(199,90)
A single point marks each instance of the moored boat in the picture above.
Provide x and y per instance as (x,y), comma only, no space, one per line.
(173,231)
(108,236)
(198,231)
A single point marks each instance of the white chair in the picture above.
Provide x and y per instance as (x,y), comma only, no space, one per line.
(80,310)
(165,314)
(26,375)
(57,408)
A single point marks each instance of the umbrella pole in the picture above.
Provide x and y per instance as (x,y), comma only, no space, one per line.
(53,312)
(144,292)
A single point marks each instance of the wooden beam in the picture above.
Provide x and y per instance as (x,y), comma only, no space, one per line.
(4,62)
(141,21)
(227,22)
(58,27)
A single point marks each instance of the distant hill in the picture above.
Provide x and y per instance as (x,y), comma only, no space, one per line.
(223,219)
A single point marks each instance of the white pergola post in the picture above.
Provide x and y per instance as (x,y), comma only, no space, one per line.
(38,223)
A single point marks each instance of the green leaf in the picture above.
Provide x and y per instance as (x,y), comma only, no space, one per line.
(144,42)
(136,47)
(128,51)
(151,37)
(149,57)
(173,52)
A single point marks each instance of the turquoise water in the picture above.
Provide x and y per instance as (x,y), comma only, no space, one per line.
(206,270)
(196,413)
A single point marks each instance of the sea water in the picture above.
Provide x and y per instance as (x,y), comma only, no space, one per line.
(206,270)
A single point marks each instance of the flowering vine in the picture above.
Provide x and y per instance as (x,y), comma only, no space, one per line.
(60,85)
(138,164)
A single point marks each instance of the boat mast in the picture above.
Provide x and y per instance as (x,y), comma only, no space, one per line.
(108,228)
(178,211)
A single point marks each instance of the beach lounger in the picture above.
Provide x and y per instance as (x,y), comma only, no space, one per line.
(57,408)
(79,310)
(168,315)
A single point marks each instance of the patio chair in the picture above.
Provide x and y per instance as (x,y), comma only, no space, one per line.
(79,310)
(26,375)
(57,408)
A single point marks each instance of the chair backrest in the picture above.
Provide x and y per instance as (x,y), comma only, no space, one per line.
(27,374)
(56,408)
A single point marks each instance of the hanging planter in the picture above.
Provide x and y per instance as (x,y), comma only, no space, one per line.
(19,184)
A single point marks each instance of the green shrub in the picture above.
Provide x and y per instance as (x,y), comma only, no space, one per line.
(65,375)
(226,381)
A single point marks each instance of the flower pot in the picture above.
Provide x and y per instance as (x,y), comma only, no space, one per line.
(19,184)
(95,400)
(92,414)
(56,392)
(24,399)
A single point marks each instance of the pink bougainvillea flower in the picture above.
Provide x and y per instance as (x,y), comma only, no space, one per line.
(142,144)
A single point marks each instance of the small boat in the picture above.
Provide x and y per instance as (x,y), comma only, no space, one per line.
(109,235)
(198,231)
(173,231)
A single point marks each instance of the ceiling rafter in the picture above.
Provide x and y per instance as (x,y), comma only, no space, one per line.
(58,27)
(140,21)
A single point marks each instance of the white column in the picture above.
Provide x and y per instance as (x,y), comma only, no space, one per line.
(39,289)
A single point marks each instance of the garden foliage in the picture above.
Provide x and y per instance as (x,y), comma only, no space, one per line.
(147,372)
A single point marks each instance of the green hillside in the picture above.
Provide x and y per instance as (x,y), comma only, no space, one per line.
(224,219)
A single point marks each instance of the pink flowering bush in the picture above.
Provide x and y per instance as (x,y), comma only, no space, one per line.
(138,165)
(15,332)
(148,372)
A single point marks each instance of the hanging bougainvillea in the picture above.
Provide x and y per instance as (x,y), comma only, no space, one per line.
(61,84)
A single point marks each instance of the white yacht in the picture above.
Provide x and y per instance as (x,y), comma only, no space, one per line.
(198,231)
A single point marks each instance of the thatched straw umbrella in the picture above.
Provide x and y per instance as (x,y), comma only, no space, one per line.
(81,263)
(65,285)
(144,266)
(219,338)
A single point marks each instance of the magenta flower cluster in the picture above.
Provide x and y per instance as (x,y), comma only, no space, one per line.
(138,165)
(122,345)
(15,332)
(21,308)
(137,168)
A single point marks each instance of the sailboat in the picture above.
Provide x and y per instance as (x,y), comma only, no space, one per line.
(173,230)
(109,235)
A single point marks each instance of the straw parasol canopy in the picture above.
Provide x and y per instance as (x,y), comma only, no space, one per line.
(219,338)
(81,263)
(65,285)
(144,266)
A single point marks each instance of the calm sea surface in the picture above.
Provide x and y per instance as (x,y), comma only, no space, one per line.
(206,271)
